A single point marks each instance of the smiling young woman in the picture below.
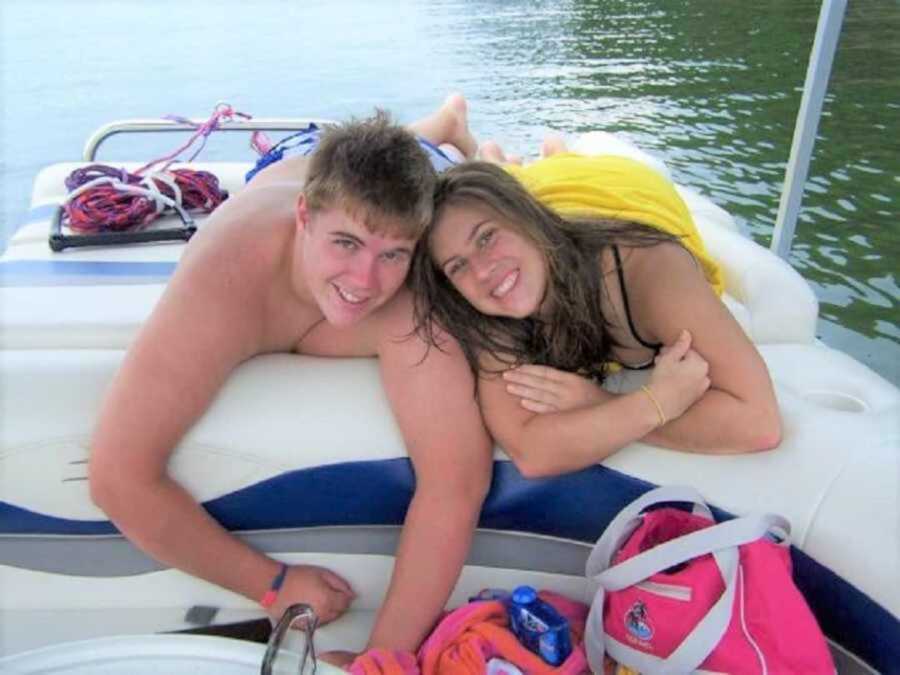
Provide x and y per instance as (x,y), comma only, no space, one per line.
(547,274)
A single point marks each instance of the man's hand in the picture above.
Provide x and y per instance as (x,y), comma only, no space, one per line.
(338,658)
(328,594)
(543,389)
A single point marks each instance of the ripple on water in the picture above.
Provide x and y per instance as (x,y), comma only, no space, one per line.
(712,88)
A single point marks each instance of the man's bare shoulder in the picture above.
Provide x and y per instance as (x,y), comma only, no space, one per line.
(233,270)
(246,234)
(253,212)
(394,332)
(394,320)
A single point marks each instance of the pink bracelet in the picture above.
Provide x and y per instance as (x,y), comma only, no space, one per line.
(272,594)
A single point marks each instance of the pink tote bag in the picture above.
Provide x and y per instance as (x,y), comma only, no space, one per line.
(679,593)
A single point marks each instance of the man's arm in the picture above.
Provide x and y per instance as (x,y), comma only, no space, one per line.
(202,328)
(179,360)
(434,404)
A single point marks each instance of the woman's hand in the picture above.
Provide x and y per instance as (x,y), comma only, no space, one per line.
(680,377)
(543,389)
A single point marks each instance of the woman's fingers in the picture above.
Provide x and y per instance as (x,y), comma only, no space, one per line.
(680,378)
(539,383)
(675,351)
(693,360)
(559,389)
(681,346)
(532,393)
(536,406)
(532,381)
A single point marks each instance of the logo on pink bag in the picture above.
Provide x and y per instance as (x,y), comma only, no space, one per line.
(636,622)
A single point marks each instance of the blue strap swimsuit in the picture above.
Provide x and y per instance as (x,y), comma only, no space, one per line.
(305,141)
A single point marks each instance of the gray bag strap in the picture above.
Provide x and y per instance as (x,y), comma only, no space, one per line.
(625,522)
(720,540)
(725,535)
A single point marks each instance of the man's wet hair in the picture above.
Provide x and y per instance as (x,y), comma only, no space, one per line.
(376,171)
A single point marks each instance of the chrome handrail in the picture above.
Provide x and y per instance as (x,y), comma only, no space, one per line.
(142,126)
(291,615)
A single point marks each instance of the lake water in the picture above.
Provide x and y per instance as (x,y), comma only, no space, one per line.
(712,87)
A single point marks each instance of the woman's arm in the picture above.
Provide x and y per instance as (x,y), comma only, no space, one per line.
(550,422)
(536,419)
(739,413)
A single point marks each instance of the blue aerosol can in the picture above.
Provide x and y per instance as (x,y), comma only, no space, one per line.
(539,626)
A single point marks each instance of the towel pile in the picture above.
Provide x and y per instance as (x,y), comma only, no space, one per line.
(474,640)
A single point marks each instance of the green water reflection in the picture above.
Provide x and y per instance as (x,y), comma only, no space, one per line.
(714,87)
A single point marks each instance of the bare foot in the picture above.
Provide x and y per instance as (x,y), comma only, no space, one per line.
(490,151)
(552,145)
(456,109)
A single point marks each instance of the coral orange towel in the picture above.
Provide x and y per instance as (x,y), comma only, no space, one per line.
(384,662)
(470,636)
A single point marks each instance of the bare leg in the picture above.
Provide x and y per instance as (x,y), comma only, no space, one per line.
(448,124)
(552,145)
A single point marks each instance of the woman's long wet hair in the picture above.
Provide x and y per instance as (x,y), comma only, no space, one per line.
(574,336)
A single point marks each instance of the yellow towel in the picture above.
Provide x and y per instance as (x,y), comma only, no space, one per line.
(606,186)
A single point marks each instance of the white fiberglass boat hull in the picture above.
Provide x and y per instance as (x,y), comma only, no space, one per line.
(266,460)
(154,654)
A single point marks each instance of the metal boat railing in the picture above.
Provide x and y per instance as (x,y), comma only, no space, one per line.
(828,31)
(309,622)
(143,126)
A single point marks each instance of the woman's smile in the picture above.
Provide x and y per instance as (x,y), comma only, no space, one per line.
(506,285)
(497,269)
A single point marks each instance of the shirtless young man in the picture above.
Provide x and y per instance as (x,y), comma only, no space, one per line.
(310,258)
